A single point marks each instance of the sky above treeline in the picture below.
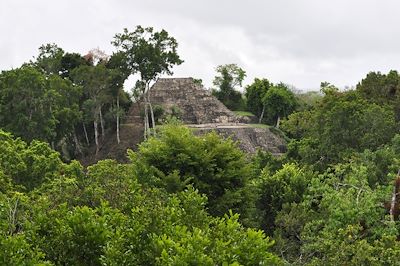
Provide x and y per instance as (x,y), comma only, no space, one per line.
(298,42)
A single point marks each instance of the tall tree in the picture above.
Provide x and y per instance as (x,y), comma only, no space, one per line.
(382,89)
(49,58)
(228,78)
(118,64)
(95,80)
(280,102)
(71,61)
(254,95)
(26,104)
(65,98)
(149,53)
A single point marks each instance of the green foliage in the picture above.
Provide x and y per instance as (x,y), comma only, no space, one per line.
(229,77)
(342,210)
(154,213)
(176,112)
(114,214)
(343,123)
(216,167)
(255,94)
(15,250)
(286,186)
(27,165)
(227,243)
(264,160)
(48,99)
(69,62)
(357,251)
(36,106)
(243,113)
(25,104)
(158,112)
(279,102)
(333,199)
(49,58)
(198,82)
(298,124)
(109,181)
(74,237)
(308,100)
(380,88)
(147,52)
(350,216)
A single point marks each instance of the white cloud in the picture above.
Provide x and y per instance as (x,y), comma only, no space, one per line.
(300,42)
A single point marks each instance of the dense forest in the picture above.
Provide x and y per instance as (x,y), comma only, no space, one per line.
(184,199)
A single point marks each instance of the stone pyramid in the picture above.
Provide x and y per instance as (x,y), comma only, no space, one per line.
(196,103)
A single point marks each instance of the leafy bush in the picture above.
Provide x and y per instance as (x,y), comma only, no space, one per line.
(216,167)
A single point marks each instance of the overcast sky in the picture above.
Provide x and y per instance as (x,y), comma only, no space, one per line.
(299,42)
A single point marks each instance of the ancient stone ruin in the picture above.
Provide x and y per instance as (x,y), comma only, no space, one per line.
(204,113)
(198,110)
(197,104)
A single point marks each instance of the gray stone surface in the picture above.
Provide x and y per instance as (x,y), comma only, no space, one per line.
(250,138)
(197,104)
(202,111)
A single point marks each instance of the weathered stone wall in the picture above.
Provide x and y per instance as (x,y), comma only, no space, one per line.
(249,138)
(197,104)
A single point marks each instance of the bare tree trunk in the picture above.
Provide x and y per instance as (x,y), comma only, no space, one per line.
(146,119)
(96,134)
(12,217)
(278,121)
(394,197)
(101,124)
(153,122)
(86,135)
(262,115)
(78,148)
(118,139)
(393,204)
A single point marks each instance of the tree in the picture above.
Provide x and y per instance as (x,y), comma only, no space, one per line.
(343,123)
(118,64)
(65,98)
(229,77)
(15,250)
(348,216)
(254,96)
(150,54)
(49,59)
(26,104)
(308,100)
(286,186)
(227,243)
(279,102)
(95,81)
(69,62)
(214,166)
(382,89)
(27,165)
